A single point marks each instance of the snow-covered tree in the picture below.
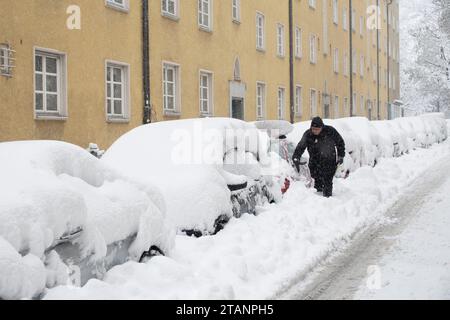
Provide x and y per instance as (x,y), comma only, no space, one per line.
(426,82)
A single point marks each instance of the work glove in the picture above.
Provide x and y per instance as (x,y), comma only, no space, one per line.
(340,160)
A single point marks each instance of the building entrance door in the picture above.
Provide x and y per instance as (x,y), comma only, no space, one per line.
(237,108)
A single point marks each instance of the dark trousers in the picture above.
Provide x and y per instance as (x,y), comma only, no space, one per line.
(323,174)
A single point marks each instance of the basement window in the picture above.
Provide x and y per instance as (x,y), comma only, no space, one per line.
(6,60)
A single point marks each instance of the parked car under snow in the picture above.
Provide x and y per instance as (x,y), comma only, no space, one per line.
(64,215)
(209,170)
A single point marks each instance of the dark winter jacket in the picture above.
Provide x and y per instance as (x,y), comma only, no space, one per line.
(321,148)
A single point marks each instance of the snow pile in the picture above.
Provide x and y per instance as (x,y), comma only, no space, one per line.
(192,161)
(53,189)
(256,257)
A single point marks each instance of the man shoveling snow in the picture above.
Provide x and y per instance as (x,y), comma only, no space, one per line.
(321,142)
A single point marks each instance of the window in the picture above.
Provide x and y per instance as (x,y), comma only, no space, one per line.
(344,19)
(353,20)
(281,102)
(336,107)
(169,8)
(204,14)
(361,66)
(361,104)
(361,26)
(346,64)
(298,43)
(171,90)
(335,12)
(312,3)
(346,111)
(260,100)
(121,5)
(312,49)
(354,61)
(298,101)
(236,10)
(260,32)
(50,84)
(117,91)
(313,102)
(354,104)
(374,72)
(206,93)
(336,60)
(280,40)
(6,60)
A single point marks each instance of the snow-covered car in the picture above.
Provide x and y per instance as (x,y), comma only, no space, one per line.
(208,169)
(67,216)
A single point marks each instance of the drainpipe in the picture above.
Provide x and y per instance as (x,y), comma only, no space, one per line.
(378,60)
(146,63)
(350,29)
(291,62)
(388,58)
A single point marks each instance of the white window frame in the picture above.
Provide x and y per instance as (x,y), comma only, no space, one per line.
(114,4)
(313,106)
(354,62)
(345,106)
(344,19)
(166,13)
(260,31)
(176,111)
(126,92)
(280,40)
(346,64)
(298,101)
(312,48)
(361,26)
(336,60)
(336,12)
(312,4)
(336,107)
(61,92)
(355,103)
(210,92)
(281,102)
(236,10)
(298,43)
(260,100)
(353,20)
(6,60)
(362,66)
(361,105)
(202,14)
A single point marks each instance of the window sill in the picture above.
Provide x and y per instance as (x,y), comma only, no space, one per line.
(238,22)
(298,57)
(110,119)
(168,113)
(262,50)
(206,115)
(170,16)
(205,29)
(117,7)
(281,56)
(49,117)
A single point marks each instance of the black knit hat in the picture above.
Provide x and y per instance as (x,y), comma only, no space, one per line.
(317,123)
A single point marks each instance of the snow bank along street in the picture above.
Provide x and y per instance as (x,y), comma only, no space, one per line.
(59,192)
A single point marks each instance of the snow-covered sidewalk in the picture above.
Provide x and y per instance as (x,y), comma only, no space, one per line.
(417,266)
(256,257)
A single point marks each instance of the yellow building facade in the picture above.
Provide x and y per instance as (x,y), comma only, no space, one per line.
(76,66)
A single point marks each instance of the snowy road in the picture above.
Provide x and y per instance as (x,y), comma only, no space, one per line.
(407,259)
